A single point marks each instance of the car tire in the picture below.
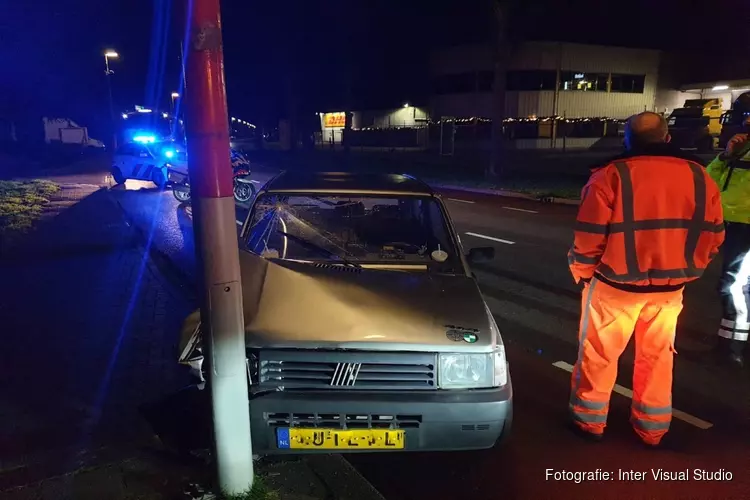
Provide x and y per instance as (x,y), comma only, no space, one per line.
(117,175)
(158,178)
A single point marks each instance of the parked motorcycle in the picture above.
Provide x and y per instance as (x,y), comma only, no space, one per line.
(242,186)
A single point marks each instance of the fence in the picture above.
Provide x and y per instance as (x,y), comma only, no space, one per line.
(449,134)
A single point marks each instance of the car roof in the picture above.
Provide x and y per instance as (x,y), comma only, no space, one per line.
(347,182)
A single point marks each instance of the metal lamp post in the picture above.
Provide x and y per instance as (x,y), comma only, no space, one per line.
(111,54)
(214,225)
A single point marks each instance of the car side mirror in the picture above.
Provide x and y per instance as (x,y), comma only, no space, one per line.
(481,254)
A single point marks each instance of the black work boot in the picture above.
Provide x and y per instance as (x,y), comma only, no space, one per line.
(729,351)
(588,436)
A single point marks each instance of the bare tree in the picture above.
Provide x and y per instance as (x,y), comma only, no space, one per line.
(501,54)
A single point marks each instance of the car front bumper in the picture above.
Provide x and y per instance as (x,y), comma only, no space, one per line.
(432,421)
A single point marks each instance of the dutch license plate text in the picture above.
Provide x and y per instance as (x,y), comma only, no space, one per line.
(330,439)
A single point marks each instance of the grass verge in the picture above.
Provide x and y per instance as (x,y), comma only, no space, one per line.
(22,202)
(259,492)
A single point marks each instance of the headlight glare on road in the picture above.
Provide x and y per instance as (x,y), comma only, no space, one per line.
(465,371)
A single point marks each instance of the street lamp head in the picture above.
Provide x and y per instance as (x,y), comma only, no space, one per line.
(175,95)
(111,54)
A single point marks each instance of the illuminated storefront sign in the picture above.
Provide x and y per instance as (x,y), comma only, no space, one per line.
(334,120)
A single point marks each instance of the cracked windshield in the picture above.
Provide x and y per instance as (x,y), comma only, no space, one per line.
(353,230)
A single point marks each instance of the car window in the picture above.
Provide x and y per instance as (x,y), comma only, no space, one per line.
(132,150)
(362,229)
(127,150)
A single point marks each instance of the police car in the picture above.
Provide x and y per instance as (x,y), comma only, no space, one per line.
(144,159)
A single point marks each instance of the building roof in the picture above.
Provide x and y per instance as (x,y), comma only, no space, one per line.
(346,182)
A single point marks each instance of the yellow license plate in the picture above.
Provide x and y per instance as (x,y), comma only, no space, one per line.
(330,439)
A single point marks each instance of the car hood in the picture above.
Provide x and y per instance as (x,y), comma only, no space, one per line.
(301,305)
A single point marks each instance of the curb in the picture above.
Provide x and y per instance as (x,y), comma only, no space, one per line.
(171,271)
(343,481)
(509,194)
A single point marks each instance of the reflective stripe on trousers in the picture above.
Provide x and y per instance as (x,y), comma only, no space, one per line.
(735,330)
(734,282)
(609,317)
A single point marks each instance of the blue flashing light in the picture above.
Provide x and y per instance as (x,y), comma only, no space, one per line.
(144,139)
(169,153)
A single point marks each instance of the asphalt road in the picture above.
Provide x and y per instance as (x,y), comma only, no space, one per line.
(536,303)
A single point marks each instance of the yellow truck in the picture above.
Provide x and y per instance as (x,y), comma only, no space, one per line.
(697,125)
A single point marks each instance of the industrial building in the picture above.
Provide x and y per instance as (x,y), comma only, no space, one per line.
(558,95)
(546,79)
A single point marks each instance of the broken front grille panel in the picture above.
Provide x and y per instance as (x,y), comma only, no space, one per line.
(352,370)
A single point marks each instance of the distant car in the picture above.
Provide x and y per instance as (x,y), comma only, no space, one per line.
(149,162)
(365,328)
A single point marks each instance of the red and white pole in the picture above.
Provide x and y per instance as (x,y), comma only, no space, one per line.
(207,131)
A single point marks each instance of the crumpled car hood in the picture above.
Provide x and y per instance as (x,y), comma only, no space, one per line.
(290,304)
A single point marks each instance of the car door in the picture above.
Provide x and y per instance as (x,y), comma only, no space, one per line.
(142,163)
(123,160)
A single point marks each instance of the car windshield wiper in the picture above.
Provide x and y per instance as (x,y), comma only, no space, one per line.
(312,246)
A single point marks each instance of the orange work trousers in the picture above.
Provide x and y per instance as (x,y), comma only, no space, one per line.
(609,317)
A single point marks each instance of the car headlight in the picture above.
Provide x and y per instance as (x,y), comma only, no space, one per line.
(465,371)
(475,371)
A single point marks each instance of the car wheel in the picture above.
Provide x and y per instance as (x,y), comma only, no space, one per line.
(117,175)
(158,178)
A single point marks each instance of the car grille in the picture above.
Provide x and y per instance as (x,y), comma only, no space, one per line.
(343,421)
(347,370)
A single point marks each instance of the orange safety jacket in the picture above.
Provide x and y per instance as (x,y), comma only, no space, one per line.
(647,223)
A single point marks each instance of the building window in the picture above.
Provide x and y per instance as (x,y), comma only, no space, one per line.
(531,80)
(633,84)
(484,81)
(578,80)
(462,83)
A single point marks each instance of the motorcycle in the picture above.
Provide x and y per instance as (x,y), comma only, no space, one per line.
(242,186)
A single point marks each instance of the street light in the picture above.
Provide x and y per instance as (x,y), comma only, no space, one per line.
(111,54)
(175,96)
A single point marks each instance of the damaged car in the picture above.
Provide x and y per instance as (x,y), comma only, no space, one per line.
(365,328)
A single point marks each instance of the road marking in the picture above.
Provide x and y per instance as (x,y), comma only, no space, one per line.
(239,222)
(476,235)
(521,210)
(624,391)
(460,201)
(255,182)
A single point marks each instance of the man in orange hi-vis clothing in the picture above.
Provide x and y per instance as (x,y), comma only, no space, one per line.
(649,222)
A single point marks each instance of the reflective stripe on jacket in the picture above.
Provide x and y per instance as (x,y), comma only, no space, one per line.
(733,178)
(647,221)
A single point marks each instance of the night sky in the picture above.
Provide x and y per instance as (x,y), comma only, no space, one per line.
(52,50)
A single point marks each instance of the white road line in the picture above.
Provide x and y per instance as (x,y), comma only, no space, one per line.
(239,222)
(624,391)
(521,210)
(460,201)
(476,235)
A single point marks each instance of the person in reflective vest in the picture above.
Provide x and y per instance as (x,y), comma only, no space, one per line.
(731,171)
(649,222)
